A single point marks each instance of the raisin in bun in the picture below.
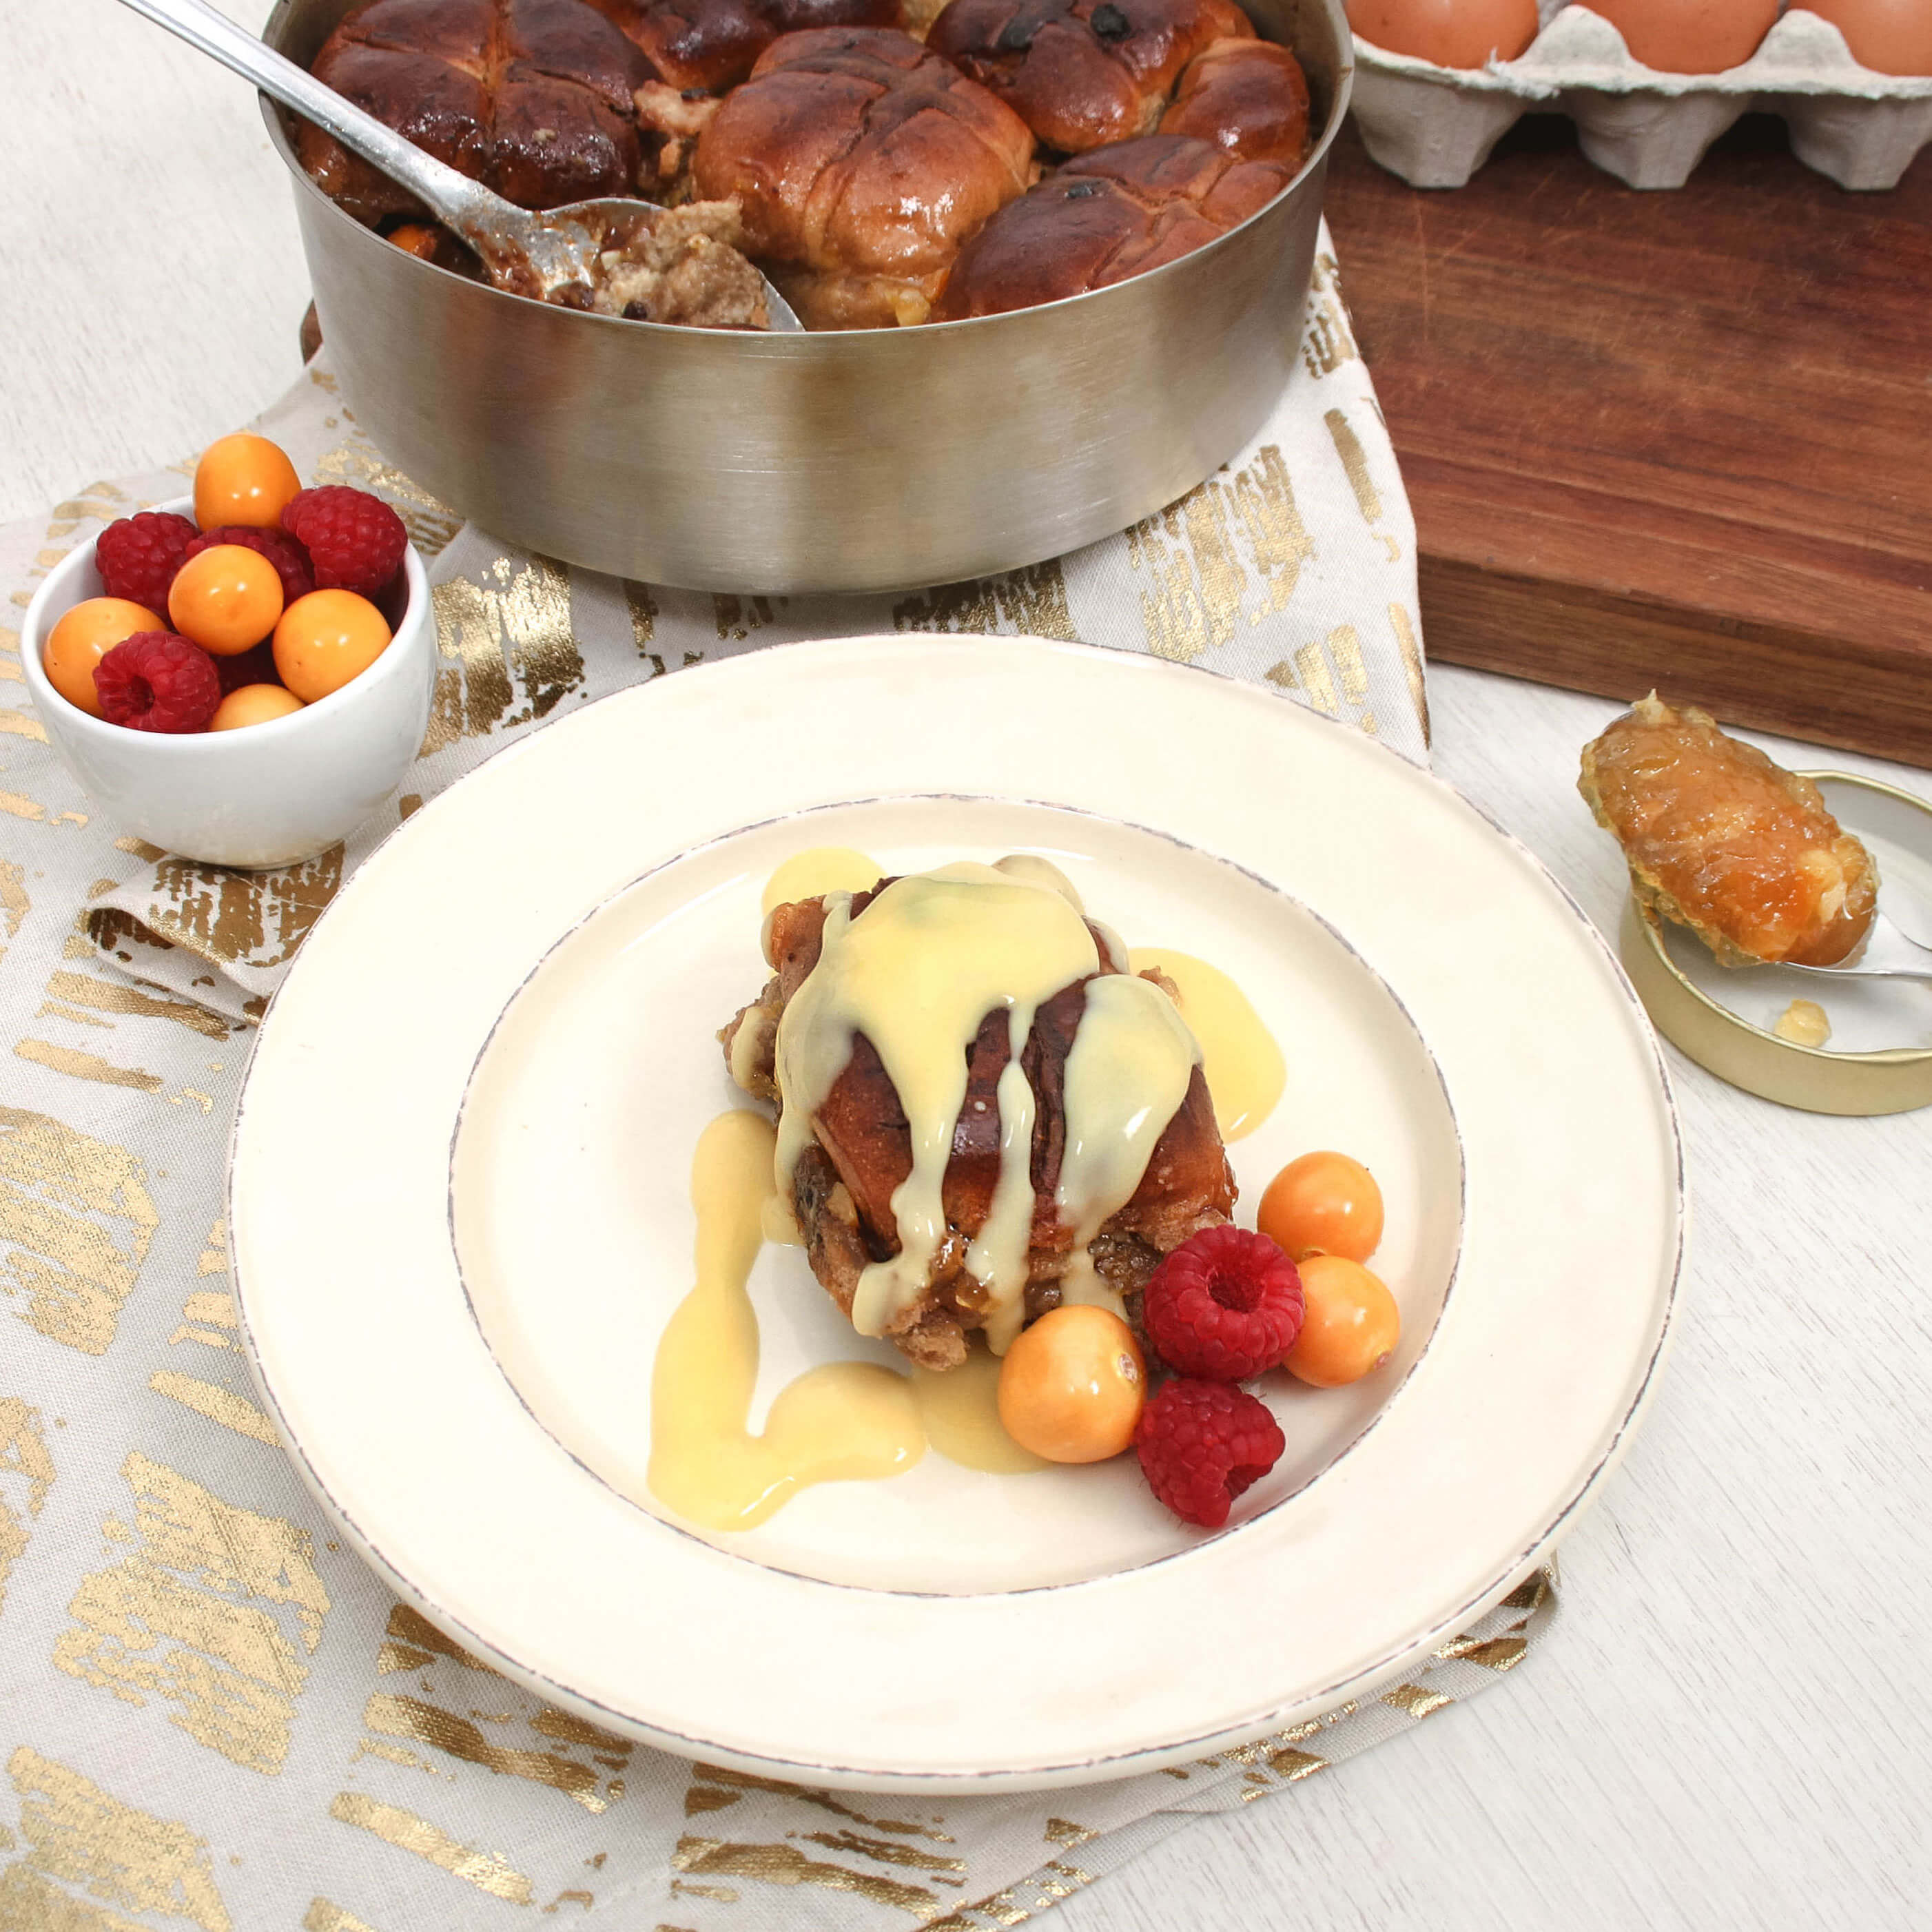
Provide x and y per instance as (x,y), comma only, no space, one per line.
(1248,96)
(1117,212)
(861,161)
(532,97)
(1082,74)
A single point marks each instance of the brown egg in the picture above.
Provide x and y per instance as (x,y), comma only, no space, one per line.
(1451,33)
(1888,36)
(1689,36)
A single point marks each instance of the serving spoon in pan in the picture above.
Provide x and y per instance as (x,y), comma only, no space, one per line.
(529,254)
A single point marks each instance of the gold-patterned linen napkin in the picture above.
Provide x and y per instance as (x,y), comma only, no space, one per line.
(211,1715)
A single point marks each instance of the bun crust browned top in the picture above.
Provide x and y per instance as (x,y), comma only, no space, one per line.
(1248,96)
(532,97)
(861,161)
(1117,212)
(1083,74)
(713,44)
(537,99)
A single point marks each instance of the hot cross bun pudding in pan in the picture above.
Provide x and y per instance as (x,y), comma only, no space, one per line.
(1013,152)
(861,161)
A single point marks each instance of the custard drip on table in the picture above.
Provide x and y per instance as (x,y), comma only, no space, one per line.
(1240,1060)
(933,954)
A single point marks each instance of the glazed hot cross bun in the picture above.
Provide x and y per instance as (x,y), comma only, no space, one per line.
(861,161)
(1248,96)
(532,97)
(547,101)
(1117,212)
(714,44)
(1083,74)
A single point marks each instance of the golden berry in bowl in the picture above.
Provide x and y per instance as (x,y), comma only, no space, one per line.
(84,635)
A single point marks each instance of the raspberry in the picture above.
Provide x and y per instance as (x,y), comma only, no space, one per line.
(1225,1304)
(355,541)
(251,667)
(290,559)
(1202,1444)
(155,681)
(138,555)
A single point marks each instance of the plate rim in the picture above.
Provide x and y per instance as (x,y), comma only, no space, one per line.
(977,1778)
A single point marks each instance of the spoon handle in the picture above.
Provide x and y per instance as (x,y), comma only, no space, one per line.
(454,198)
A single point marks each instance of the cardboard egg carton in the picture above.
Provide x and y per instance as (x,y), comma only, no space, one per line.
(1435,126)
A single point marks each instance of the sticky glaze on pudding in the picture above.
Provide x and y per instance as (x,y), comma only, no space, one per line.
(982,1114)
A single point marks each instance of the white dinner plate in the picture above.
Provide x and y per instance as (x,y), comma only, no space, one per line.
(460,1215)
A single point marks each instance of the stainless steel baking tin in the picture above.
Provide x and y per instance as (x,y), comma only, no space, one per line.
(849,461)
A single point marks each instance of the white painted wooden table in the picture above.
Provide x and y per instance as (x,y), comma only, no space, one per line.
(1732,1725)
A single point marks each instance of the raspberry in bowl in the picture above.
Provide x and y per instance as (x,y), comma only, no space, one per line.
(221,689)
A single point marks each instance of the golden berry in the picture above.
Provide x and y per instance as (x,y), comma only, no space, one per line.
(83,636)
(1323,1204)
(243,479)
(326,638)
(226,599)
(1072,1385)
(1352,1324)
(252,704)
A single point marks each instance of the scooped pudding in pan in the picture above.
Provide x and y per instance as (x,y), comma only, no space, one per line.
(857,167)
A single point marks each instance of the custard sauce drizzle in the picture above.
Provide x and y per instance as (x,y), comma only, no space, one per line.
(843,1421)
(1240,1059)
(933,955)
(821,869)
(1126,1076)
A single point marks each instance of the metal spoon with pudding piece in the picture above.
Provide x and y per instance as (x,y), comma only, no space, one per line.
(1884,953)
(542,255)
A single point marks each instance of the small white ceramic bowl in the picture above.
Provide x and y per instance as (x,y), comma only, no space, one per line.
(263,795)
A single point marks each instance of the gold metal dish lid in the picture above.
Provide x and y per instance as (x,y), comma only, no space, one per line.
(1877,1058)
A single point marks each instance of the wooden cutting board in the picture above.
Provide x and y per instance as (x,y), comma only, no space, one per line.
(1673,439)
